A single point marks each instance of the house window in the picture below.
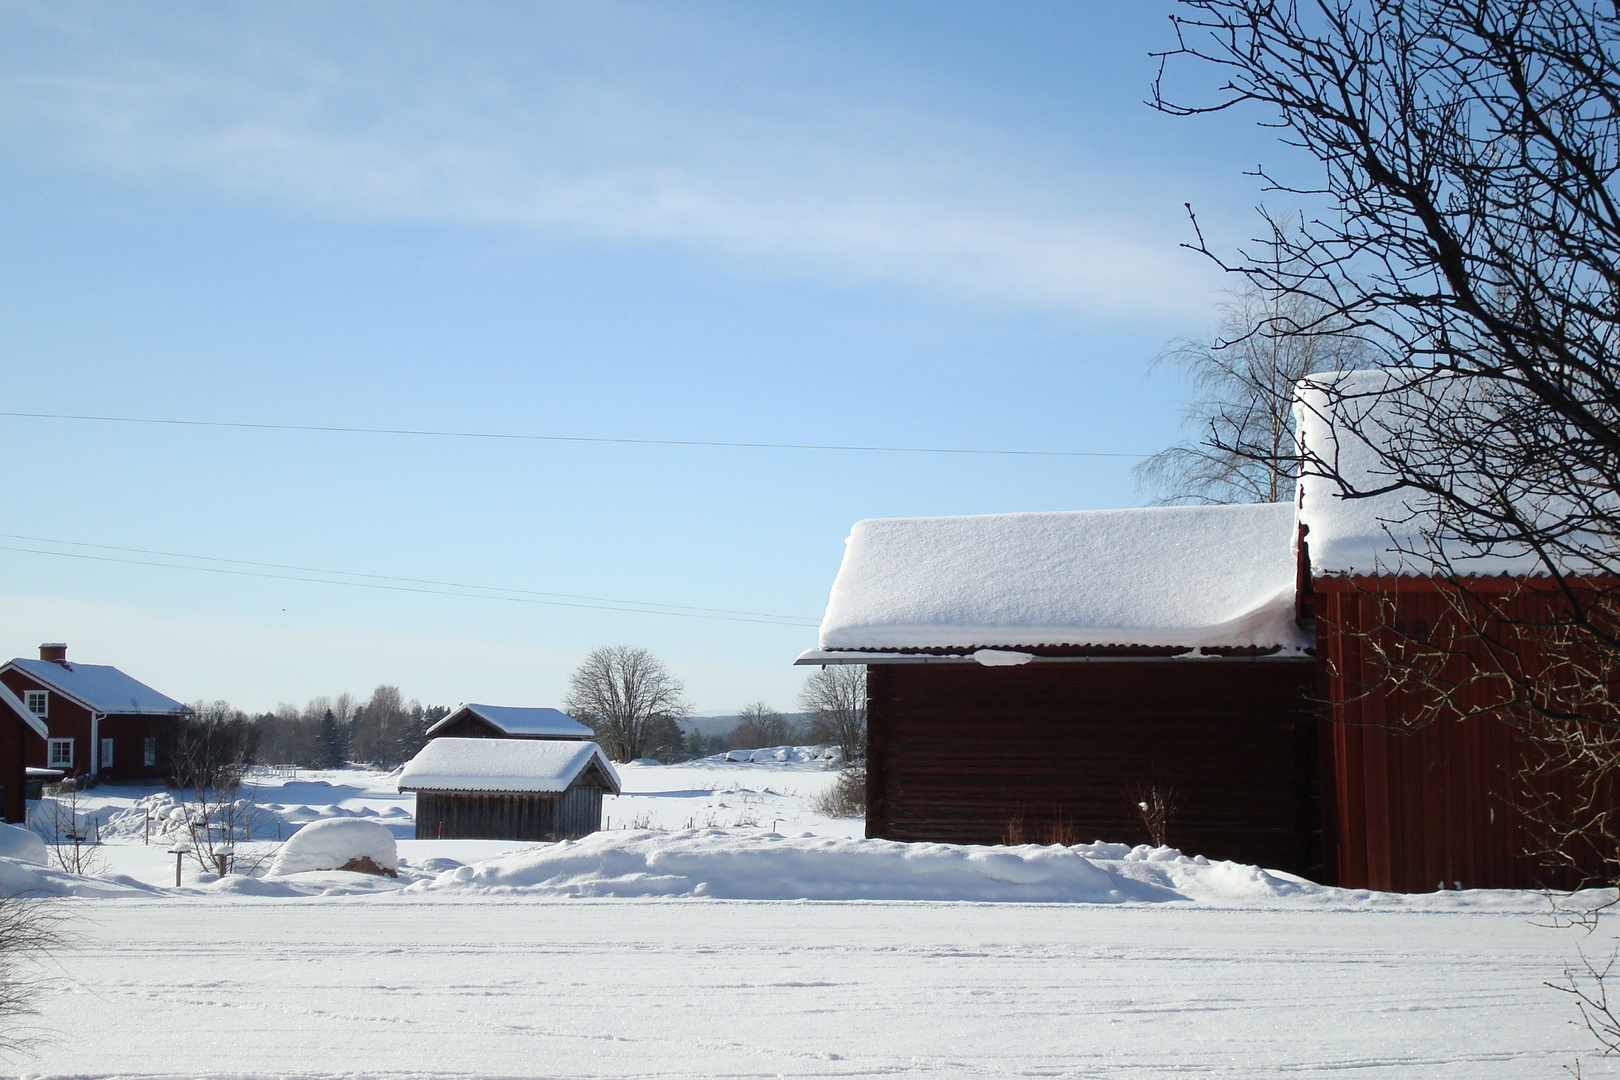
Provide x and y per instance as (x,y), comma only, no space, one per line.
(36,701)
(149,752)
(106,753)
(61,753)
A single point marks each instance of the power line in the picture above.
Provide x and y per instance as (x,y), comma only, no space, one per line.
(387,577)
(568,438)
(518,596)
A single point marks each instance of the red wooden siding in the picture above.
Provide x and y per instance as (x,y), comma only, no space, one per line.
(1416,801)
(958,751)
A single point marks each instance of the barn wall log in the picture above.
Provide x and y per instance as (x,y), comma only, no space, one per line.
(957,753)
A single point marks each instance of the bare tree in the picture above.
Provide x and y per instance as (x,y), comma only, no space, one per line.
(1239,444)
(1468,235)
(760,725)
(625,695)
(835,698)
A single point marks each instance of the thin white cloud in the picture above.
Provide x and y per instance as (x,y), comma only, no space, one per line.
(570,132)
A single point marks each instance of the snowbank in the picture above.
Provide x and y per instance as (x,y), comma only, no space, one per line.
(1178,576)
(337,844)
(22,844)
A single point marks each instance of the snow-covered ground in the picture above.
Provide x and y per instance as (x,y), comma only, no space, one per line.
(685,947)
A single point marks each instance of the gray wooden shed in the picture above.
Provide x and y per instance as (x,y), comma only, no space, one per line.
(508,789)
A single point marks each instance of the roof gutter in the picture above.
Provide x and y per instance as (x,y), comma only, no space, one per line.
(833,657)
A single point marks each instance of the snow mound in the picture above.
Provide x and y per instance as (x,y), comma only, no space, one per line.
(336,844)
(21,844)
(754,866)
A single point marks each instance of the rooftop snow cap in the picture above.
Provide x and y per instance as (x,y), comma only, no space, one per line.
(100,688)
(522,722)
(1185,576)
(53,651)
(1355,428)
(539,766)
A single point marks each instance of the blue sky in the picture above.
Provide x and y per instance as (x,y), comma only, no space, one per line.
(911,224)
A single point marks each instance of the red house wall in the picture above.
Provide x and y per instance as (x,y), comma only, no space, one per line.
(16,740)
(66,720)
(1417,801)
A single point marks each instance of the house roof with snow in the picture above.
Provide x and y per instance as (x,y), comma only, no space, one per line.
(517,766)
(1187,577)
(1352,428)
(518,721)
(14,704)
(99,687)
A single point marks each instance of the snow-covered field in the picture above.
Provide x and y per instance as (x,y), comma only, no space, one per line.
(682,947)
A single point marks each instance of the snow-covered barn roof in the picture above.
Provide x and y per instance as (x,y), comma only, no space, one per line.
(526,766)
(1184,576)
(11,701)
(1347,422)
(519,720)
(100,688)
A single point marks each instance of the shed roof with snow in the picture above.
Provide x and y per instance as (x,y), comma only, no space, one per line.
(516,766)
(517,721)
(1181,576)
(100,688)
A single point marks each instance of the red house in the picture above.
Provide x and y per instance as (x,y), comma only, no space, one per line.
(22,739)
(99,720)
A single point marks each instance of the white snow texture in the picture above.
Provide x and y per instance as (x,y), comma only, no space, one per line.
(519,765)
(1176,575)
(333,844)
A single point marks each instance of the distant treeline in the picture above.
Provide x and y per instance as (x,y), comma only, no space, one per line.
(385,730)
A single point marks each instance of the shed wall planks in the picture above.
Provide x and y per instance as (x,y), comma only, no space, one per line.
(466,815)
(970,754)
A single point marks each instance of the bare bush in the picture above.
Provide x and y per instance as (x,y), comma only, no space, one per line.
(846,796)
(70,835)
(1156,804)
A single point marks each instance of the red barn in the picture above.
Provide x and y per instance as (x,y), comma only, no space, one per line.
(101,721)
(1034,676)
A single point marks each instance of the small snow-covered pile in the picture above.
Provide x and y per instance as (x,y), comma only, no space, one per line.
(22,844)
(338,844)
(825,756)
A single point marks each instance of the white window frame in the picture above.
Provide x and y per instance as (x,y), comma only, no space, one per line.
(149,752)
(38,702)
(106,759)
(57,760)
